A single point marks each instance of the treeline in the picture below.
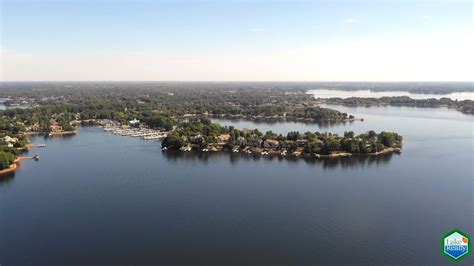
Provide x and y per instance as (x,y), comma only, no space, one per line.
(10,141)
(57,88)
(466,106)
(200,133)
(156,106)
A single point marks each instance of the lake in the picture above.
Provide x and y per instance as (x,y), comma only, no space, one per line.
(2,103)
(101,199)
(325,93)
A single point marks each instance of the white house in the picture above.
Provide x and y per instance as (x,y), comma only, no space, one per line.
(134,122)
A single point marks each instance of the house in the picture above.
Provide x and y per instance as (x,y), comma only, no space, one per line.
(198,139)
(240,140)
(270,143)
(223,137)
(10,140)
(301,141)
(134,122)
(296,153)
(55,128)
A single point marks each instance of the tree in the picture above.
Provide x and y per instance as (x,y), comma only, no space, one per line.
(173,141)
(348,134)
(387,138)
(6,159)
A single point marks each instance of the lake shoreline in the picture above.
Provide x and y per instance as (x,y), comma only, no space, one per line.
(13,167)
(275,153)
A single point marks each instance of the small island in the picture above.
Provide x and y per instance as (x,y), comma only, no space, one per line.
(200,134)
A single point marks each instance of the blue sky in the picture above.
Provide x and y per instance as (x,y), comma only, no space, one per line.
(191,40)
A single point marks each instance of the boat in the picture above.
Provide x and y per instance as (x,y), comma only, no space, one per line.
(41,145)
(185,148)
(36,157)
(164,149)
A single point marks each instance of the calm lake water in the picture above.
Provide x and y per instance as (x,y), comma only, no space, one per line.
(2,104)
(323,93)
(101,199)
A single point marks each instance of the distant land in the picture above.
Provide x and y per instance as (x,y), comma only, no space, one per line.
(413,87)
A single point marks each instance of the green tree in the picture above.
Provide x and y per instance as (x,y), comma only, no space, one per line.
(6,159)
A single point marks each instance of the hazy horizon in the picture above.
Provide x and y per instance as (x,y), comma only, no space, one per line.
(253,41)
(245,81)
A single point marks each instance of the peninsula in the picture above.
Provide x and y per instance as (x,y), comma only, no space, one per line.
(199,133)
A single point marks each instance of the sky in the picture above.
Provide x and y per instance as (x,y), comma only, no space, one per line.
(236,40)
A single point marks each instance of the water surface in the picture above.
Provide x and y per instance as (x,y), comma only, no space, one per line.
(325,93)
(101,199)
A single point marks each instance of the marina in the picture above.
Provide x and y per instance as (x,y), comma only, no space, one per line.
(117,128)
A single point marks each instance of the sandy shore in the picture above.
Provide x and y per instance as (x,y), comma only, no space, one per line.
(13,166)
(62,133)
(50,133)
(334,155)
(387,150)
(10,169)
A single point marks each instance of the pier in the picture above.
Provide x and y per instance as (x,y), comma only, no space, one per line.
(143,133)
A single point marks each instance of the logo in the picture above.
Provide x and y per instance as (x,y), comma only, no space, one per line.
(456,245)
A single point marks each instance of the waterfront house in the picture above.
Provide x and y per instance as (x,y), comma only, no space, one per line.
(198,139)
(296,153)
(10,140)
(222,138)
(55,128)
(134,122)
(240,140)
(301,141)
(270,143)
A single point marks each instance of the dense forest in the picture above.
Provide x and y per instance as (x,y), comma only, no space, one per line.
(155,106)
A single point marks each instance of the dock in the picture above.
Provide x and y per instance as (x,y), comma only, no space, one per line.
(143,133)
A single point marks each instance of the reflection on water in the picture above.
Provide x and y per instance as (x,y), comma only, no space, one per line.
(5,179)
(134,204)
(326,163)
